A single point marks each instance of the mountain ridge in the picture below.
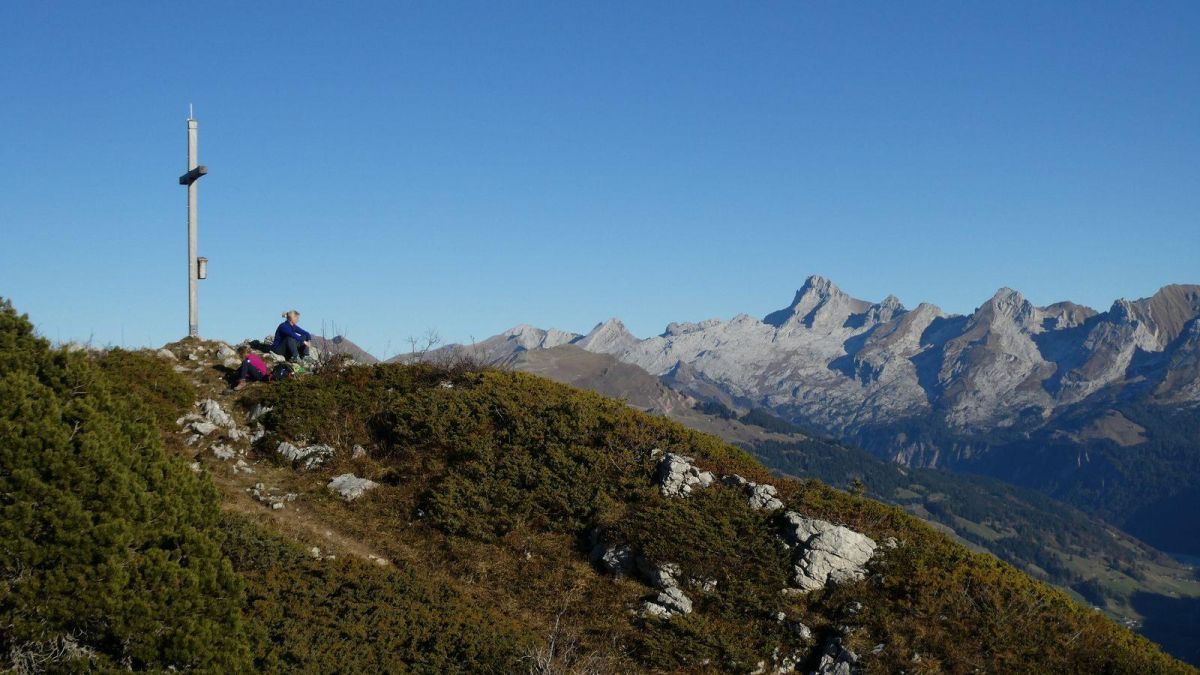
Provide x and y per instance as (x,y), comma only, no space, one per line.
(986,391)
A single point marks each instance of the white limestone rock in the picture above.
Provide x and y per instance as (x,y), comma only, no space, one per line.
(203,428)
(758,496)
(213,413)
(825,553)
(616,559)
(762,497)
(307,457)
(350,487)
(677,476)
(668,603)
(837,659)
(258,411)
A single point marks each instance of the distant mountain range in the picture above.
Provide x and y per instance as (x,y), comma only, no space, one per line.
(1096,408)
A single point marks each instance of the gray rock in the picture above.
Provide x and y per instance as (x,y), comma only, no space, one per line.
(224,351)
(616,559)
(677,476)
(203,428)
(662,576)
(258,411)
(734,480)
(308,457)
(223,452)
(165,353)
(825,553)
(763,497)
(212,412)
(757,496)
(351,487)
(668,603)
(358,452)
(837,659)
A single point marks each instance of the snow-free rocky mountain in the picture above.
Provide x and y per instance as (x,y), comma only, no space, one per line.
(925,387)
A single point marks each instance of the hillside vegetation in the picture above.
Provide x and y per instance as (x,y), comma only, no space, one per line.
(493,488)
(110,550)
(502,480)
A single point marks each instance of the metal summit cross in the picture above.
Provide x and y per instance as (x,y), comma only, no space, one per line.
(197,267)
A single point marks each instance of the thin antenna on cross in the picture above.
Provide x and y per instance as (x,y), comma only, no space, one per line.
(190,116)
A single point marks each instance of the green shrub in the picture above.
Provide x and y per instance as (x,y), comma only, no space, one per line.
(163,392)
(109,548)
(348,615)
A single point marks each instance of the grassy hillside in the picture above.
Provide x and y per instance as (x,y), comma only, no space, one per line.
(496,481)
(471,554)
(1048,539)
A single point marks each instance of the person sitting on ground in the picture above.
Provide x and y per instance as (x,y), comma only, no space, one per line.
(291,341)
(253,369)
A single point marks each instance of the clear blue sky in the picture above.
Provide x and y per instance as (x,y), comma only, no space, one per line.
(391,167)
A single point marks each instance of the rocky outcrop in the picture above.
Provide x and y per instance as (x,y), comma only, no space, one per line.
(350,487)
(212,411)
(210,419)
(825,553)
(670,600)
(620,560)
(837,659)
(306,457)
(677,476)
(616,559)
(758,497)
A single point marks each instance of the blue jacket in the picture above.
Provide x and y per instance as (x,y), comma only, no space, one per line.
(287,330)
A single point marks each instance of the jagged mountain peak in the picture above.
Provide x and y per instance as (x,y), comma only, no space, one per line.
(609,337)
(1007,303)
(526,336)
(609,325)
(521,330)
(818,302)
(886,310)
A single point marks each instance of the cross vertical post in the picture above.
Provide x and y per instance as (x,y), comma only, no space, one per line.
(194,172)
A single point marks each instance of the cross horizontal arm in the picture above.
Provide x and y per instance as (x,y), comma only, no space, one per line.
(193,175)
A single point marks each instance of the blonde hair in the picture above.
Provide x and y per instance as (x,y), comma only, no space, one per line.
(288,314)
